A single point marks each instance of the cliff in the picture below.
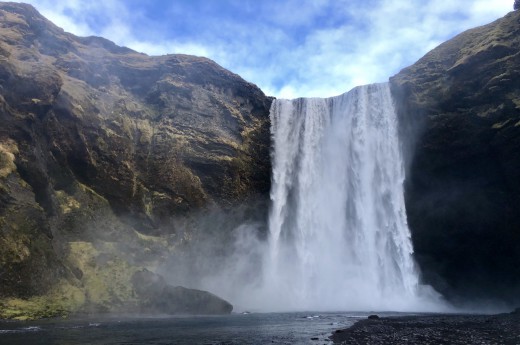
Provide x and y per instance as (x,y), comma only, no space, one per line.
(102,151)
(461,103)
(108,157)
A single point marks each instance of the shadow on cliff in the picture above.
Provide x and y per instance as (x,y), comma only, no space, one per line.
(461,101)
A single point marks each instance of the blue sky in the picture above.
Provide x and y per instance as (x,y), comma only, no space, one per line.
(291,48)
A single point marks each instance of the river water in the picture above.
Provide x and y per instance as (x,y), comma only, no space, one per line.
(255,328)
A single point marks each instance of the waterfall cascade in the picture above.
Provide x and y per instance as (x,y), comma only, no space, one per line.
(339,238)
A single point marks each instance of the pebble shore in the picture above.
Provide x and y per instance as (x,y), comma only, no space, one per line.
(501,329)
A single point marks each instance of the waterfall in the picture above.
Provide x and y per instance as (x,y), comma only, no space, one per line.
(339,238)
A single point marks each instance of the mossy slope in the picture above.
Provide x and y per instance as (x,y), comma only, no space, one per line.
(103,153)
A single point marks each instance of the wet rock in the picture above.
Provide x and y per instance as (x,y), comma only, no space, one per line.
(439,329)
(461,103)
(156,296)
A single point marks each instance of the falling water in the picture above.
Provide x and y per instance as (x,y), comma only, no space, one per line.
(338,232)
(338,237)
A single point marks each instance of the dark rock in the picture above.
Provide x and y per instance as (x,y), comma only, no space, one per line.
(373,317)
(101,144)
(156,296)
(461,103)
(436,329)
(155,136)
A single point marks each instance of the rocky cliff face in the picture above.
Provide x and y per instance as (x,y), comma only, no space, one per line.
(103,149)
(106,153)
(462,103)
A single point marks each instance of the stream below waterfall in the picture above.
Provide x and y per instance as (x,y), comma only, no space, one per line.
(254,328)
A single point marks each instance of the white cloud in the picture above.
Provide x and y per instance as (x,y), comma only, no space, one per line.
(398,33)
(356,42)
(168,47)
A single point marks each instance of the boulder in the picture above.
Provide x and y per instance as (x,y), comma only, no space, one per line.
(157,297)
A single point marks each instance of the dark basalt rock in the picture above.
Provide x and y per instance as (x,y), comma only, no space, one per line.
(461,103)
(433,329)
(156,296)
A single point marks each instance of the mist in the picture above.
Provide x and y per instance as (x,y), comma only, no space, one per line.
(336,237)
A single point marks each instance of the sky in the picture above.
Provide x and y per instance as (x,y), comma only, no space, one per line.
(289,48)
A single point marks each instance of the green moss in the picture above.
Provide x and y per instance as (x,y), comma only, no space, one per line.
(66,202)
(145,131)
(147,239)
(105,275)
(64,299)
(501,124)
(8,150)
(102,284)
(15,248)
(89,191)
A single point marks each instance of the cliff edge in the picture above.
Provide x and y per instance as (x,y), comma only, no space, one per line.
(461,103)
(102,151)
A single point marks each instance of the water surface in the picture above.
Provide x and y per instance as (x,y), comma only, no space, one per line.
(262,328)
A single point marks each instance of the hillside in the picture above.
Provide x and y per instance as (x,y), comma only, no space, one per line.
(461,102)
(105,153)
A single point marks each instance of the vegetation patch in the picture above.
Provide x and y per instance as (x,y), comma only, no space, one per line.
(8,150)
(104,276)
(62,301)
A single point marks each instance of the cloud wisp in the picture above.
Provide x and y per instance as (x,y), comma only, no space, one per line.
(316,48)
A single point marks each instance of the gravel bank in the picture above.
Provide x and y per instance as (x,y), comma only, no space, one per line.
(501,329)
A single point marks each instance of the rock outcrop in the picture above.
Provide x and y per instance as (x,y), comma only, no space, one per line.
(461,102)
(107,147)
(157,297)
